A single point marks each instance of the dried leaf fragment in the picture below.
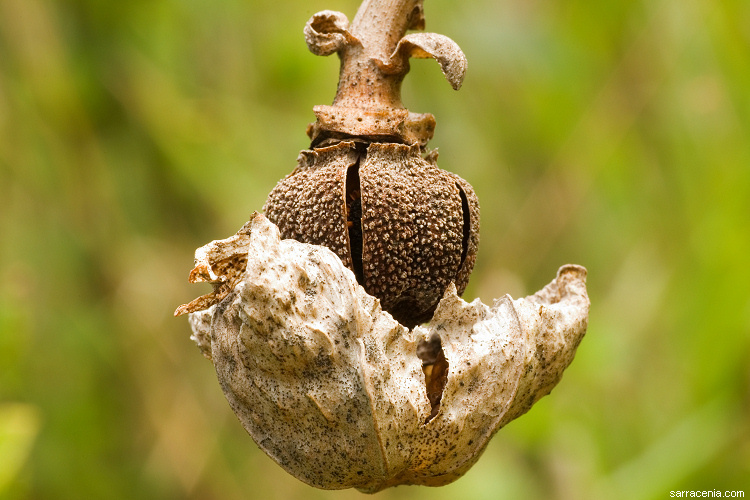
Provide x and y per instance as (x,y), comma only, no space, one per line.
(338,393)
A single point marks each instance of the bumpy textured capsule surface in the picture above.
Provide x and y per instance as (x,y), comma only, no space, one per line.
(404,226)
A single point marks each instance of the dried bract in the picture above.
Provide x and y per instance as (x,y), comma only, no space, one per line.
(341,395)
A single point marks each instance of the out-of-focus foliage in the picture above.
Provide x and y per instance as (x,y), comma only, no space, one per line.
(613,134)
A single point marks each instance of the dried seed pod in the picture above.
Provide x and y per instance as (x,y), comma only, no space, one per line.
(341,395)
(329,385)
(405,227)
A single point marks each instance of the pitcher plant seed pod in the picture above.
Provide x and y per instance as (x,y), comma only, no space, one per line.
(405,227)
(314,325)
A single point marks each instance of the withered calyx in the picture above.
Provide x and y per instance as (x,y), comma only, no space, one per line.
(343,396)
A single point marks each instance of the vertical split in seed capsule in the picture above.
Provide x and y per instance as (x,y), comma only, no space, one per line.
(353,203)
(466,227)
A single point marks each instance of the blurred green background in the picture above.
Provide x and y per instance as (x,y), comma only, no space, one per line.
(612,134)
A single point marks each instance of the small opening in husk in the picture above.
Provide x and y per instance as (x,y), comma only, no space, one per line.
(435,368)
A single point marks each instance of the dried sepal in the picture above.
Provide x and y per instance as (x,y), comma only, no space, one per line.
(425,45)
(557,317)
(341,395)
(327,32)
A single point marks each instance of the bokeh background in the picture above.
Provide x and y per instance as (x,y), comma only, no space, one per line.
(613,134)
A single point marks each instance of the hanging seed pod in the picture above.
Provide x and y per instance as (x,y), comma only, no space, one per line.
(406,228)
(341,389)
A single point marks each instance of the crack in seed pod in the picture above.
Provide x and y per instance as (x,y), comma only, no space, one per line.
(406,228)
(354,219)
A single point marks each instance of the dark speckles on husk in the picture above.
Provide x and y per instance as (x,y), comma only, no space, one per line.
(406,228)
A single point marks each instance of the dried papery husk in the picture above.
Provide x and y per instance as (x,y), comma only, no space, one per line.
(336,391)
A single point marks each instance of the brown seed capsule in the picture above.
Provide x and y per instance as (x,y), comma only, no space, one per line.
(406,228)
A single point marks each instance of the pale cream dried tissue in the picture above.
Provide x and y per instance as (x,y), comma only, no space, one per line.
(338,393)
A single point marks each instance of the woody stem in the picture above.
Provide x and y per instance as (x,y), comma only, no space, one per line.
(378,25)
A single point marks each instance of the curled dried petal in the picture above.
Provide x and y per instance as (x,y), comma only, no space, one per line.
(423,45)
(327,32)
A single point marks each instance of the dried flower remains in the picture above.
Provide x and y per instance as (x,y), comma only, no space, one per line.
(315,325)
(340,394)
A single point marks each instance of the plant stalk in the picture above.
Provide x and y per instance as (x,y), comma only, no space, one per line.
(378,25)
